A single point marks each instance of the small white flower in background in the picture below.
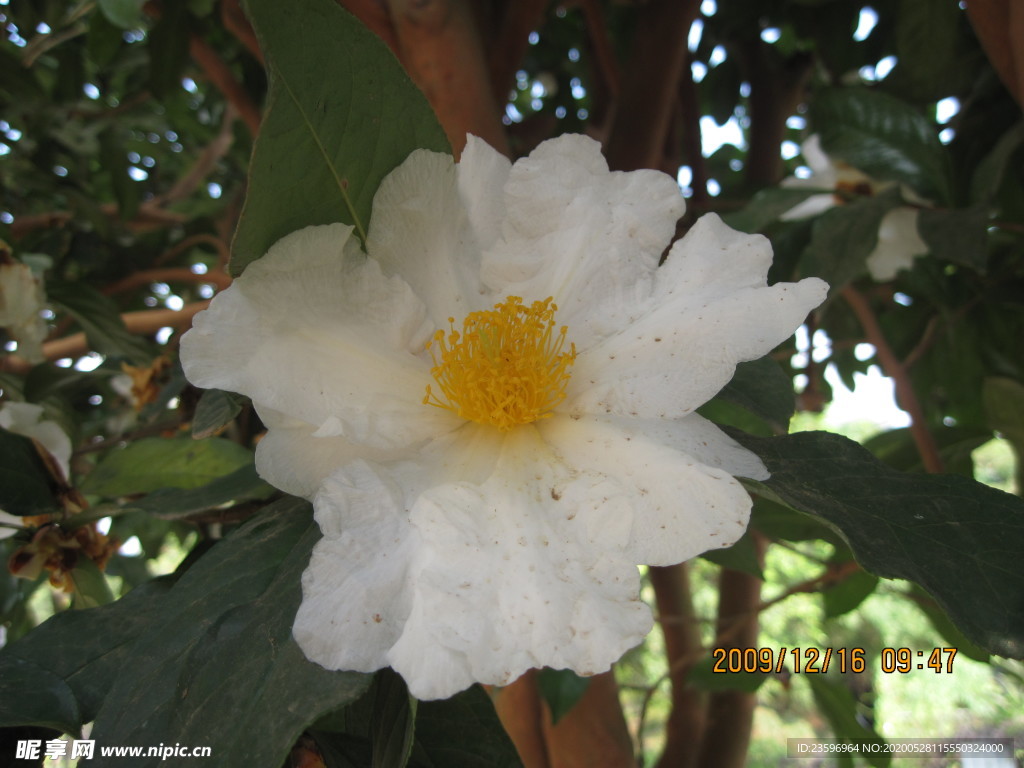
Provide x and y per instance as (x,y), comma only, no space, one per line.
(493,412)
(898,239)
(27,419)
(21,301)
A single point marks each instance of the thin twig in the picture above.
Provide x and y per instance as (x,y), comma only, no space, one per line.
(893,368)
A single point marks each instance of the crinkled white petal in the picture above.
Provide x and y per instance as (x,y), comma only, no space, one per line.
(422,230)
(670,506)
(482,174)
(356,589)
(710,315)
(507,577)
(586,236)
(898,244)
(27,419)
(315,331)
(292,457)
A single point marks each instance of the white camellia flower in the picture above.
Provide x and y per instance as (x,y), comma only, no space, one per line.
(493,412)
(898,240)
(21,301)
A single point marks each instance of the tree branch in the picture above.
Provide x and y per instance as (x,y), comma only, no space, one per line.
(682,649)
(641,120)
(893,368)
(218,73)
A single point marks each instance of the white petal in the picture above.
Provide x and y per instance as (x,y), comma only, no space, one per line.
(507,578)
(355,591)
(710,315)
(291,457)
(482,173)
(26,419)
(585,236)
(679,506)
(421,230)
(812,206)
(315,331)
(898,244)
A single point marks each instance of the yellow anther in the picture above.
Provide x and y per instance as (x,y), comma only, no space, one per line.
(507,366)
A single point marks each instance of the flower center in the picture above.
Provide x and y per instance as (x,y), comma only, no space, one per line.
(507,366)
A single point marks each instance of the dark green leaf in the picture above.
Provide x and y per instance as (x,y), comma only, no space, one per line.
(896,447)
(393,720)
(741,556)
(221,645)
(341,114)
(462,732)
(561,689)
(126,14)
(26,487)
(32,695)
(1003,399)
(241,485)
(154,463)
(884,137)
(103,39)
(167,46)
(82,649)
(923,28)
(762,388)
(848,593)
(114,160)
(953,637)
(838,705)
(101,321)
(214,411)
(843,238)
(959,236)
(991,171)
(91,588)
(960,540)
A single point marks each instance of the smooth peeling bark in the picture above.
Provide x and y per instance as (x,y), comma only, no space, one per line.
(999,25)
(439,44)
(592,734)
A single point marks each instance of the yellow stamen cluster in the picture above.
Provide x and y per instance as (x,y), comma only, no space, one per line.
(505,368)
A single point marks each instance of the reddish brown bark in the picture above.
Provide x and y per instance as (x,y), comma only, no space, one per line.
(440,47)
(730,714)
(682,649)
(999,25)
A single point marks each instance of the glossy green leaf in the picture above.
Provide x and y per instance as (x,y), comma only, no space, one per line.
(33,695)
(836,702)
(947,630)
(843,237)
(83,650)
(215,410)
(223,644)
(882,136)
(849,593)
(99,318)
(154,463)
(126,14)
(91,587)
(959,236)
(561,689)
(462,732)
(392,721)
(170,504)
(741,556)
(958,539)
(340,115)
(26,487)
(762,389)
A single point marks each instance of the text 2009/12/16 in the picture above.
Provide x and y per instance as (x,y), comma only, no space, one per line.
(811,660)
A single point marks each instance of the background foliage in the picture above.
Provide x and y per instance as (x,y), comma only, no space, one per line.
(141,144)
